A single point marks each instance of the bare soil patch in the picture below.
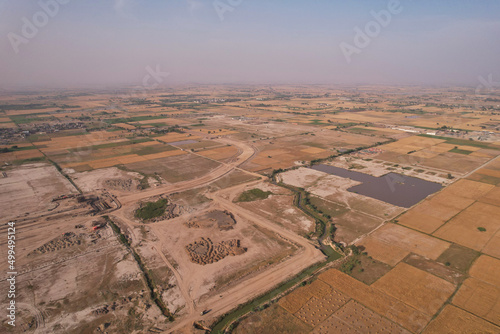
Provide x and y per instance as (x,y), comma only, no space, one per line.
(458,257)
(223,220)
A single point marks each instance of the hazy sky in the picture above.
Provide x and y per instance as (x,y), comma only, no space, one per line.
(110,42)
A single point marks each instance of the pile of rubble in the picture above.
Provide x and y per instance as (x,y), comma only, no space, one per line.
(203,251)
(66,240)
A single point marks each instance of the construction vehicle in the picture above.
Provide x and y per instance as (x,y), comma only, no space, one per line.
(97,225)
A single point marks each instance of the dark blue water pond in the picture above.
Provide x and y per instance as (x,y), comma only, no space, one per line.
(393,188)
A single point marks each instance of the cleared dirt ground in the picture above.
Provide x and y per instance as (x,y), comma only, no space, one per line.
(31,188)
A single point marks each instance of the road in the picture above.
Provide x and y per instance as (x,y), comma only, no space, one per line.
(264,281)
(250,288)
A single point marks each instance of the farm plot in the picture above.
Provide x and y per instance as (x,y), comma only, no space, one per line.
(435,211)
(491,197)
(383,251)
(271,321)
(408,240)
(409,144)
(356,318)
(220,154)
(458,257)
(439,153)
(318,308)
(487,269)
(174,137)
(473,227)
(455,320)
(175,168)
(385,305)
(479,298)
(416,288)
(491,248)
(455,162)
(20,155)
(286,151)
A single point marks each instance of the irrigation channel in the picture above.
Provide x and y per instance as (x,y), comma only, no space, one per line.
(228,320)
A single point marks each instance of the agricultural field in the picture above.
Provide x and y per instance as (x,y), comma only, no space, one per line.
(202,206)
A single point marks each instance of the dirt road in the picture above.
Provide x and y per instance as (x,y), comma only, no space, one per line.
(264,281)
(249,288)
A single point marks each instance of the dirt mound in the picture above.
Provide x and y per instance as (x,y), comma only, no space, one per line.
(66,240)
(203,251)
(223,219)
(121,184)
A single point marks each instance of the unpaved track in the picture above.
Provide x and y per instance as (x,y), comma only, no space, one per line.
(247,153)
(180,282)
(264,281)
(251,287)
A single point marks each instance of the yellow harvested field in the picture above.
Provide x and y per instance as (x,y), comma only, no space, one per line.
(469,148)
(414,143)
(480,155)
(382,251)
(385,305)
(168,121)
(469,189)
(441,148)
(416,288)
(356,318)
(493,246)
(427,154)
(319,288)
(125,126)
(94,138)
(318,309)
(128,159)
(219,153)
(29,111)
(20,155)
(7,125)
(479,298)
(216,132)
(420,221)
(103,163)
(487,269)
(463,228)
(174,136)
(457,321)
(295,300)
(489,172)
(491,197)
(439,210)
(164,154)
(125,159)
(313,150)
(447,198)
(410,240)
